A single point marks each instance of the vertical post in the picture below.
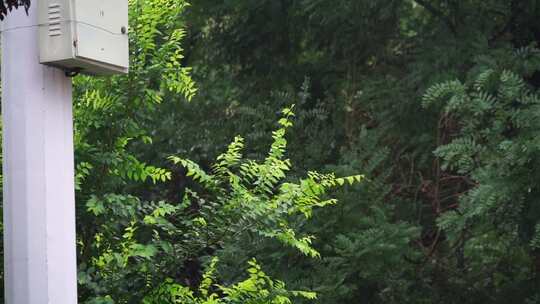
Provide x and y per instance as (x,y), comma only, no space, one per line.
(38,168)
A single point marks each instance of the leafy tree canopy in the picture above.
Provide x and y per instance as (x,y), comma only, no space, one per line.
(7,5)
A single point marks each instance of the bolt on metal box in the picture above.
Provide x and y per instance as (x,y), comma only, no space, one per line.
(87,36)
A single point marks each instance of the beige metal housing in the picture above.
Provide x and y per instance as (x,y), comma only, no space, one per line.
(87,36)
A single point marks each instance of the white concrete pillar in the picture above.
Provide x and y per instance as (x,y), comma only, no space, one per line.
(38,170)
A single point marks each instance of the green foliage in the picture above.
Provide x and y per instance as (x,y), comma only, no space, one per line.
(258,288)
(110,116)
(401,237)
(496,222)
(436,102)
(110,112)
(253,196)
(143,241)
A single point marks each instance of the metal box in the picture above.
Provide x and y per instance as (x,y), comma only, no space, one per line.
(87,36)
